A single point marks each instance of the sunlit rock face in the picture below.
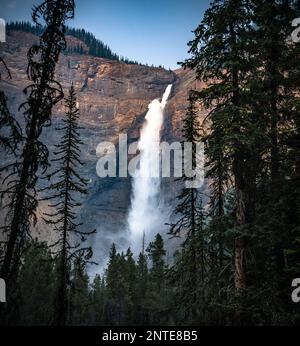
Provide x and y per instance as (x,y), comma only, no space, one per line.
(113,98)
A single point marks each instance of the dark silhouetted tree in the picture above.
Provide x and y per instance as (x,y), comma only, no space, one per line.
(157,299)
(42,95)
(37,284)
(10,129)
(189,210)
(67,187)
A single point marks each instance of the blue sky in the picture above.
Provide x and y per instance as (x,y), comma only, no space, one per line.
(150,31)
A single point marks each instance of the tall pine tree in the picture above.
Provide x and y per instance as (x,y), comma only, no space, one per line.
(190,214)
(67,187)
(42,95)
(222,56)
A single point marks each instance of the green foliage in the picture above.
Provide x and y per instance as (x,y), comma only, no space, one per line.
(95,47)
(157,298)
(97,301)
(142,278)
(66,187)
(241,50)
(37,282)
(189,268)
(42,94)
(79,295)
(127,294)
(238,258)
(121,281)
(11,133)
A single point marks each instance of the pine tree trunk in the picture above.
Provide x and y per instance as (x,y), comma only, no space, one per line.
(220,214)
(19,211)
(238,172)
(240,277)
(60,316)
(18,218)
(61,313)
(275,161)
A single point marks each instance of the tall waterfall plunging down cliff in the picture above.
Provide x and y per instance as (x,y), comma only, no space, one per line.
(146,216)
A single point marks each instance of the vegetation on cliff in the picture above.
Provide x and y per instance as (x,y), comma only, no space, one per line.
(95,47)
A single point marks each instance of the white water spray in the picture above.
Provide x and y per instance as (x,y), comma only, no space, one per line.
(146,215)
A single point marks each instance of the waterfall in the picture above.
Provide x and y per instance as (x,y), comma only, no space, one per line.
(146,217)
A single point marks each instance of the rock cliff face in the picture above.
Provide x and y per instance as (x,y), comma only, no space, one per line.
(113,99)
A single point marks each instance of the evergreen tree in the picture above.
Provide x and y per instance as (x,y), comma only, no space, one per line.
(157,300)
(67,186)
(141,290)
(37,282)
(116,288)
(226,56)
(8,123)
(95,46)
(190,213)
(130,277)
(98,299)
(43,93)
(278,191)
(242,51)
(188,209)
(79,309)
